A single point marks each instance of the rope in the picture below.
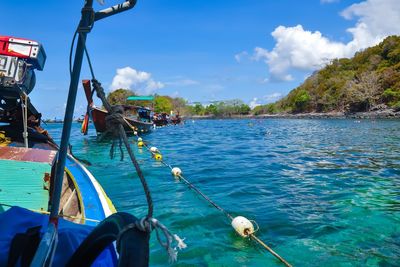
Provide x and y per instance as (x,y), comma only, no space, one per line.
(114,119)
(270,250)
(191,186)
(204,196)
(24,107)
(114,124)
(149,224)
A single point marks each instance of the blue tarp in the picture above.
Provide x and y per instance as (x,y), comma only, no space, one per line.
(70,235)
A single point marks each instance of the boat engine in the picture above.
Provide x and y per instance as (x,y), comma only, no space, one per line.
(19,58)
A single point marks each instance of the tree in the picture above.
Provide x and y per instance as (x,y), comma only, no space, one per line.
(211,110)
(198,109)
(162,104)
(301,101)
(244,109)
(119,96)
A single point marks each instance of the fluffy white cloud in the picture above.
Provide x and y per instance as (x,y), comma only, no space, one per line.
(239,56)
(300,49)
(254,103)
(140,81)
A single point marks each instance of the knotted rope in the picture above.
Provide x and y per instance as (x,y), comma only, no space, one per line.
(150,224)
(115,122)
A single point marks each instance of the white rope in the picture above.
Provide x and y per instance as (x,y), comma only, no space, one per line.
(252,235)
(24,107)
(149,224)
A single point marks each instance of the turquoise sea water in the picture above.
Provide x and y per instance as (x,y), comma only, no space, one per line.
(324,192)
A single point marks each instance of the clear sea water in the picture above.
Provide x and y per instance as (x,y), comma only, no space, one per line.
(324,192)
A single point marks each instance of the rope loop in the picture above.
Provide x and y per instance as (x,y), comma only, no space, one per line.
(148,224)
(88,28)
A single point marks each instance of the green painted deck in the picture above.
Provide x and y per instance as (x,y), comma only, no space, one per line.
(21,184)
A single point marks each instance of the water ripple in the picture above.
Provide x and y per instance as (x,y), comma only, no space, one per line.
(324,192)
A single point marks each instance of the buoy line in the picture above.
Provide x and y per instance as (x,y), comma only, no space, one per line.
(242,225)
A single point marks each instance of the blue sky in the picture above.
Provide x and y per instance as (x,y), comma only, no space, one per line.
(253,50)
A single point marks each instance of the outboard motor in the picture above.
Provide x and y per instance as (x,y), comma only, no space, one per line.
(18,60)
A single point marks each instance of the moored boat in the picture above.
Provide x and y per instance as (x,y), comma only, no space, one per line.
(135,118)
(160,119)
(177,119)
(53,212)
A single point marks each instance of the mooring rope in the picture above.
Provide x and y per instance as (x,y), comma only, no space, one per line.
(114,123)
(193,187)
(190,185)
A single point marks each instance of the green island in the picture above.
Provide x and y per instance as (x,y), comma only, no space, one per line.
(366,85)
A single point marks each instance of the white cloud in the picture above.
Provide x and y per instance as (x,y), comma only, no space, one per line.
(299,49)
(254,103)
(141,81)
(239,56)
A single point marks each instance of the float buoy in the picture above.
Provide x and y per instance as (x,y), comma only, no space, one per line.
(139,139)
(135,133)
(176,171)
(140,144)
(153,149)
(157,156)
(242,226)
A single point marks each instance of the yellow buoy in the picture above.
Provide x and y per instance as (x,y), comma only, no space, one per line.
(140,144)
(157,156)
(242,226)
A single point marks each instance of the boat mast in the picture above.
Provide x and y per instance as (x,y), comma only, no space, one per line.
(85,25)
(47,246)
(84,28)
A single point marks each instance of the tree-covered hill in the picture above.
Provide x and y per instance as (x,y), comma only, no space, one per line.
(369,80)
(179,105)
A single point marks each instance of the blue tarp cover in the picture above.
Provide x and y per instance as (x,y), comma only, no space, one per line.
(70,235)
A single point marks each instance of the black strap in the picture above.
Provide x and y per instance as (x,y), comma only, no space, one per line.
(23,247)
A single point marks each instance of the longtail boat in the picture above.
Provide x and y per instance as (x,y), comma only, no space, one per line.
(136,118)
(53,212)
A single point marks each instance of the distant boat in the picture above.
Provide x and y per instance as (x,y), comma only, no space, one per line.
(160,119)
(142,123)
(177,119)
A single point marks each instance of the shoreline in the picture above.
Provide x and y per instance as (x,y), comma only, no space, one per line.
(383,114)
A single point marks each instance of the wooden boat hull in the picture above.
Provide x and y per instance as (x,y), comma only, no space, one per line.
(160,123)
(99,121)
(176,121)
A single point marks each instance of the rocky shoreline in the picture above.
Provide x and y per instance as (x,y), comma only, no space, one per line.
(378,114)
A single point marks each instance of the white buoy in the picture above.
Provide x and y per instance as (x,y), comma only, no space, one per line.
(140,139)
(153,149)
(135,133)
(242,226)
(176,171)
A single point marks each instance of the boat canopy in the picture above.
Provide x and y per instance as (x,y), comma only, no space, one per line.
(141,98)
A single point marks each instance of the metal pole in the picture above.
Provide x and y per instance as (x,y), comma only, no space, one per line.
(84,27)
